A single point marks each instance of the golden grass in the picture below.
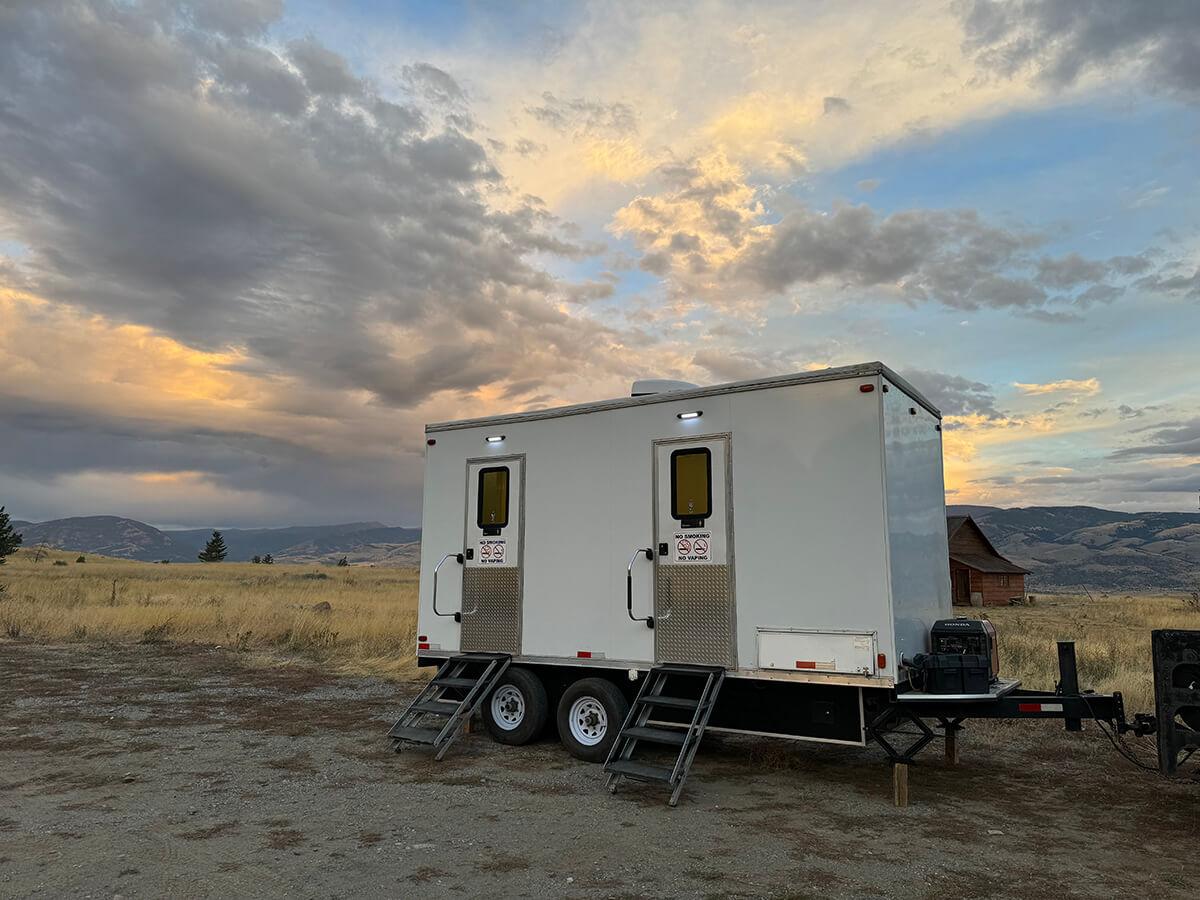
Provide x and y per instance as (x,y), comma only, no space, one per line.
(370,627)
(1111,634)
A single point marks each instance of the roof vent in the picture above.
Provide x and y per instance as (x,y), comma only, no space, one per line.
(643,387)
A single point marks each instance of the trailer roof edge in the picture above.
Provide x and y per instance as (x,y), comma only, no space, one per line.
(734,387)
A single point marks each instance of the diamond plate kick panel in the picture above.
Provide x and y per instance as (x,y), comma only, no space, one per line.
(495,594)
(694,615)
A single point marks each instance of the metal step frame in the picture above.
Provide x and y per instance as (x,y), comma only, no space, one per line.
(636,728)
(474,675)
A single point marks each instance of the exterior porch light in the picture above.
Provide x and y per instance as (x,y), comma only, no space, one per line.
(690,415)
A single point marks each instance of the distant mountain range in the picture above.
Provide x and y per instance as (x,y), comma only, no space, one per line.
(360,542)
(1081,546)
(1062,546)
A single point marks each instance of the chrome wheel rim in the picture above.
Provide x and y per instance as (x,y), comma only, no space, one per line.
(589,721)
(508,707)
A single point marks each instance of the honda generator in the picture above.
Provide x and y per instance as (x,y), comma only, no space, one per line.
(963,658)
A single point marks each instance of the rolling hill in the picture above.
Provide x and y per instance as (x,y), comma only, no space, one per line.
(1062,546)
(361,542)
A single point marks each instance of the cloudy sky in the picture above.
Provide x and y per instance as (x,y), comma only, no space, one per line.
(248,248)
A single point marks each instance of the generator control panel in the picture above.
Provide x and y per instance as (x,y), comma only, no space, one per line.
(966,636)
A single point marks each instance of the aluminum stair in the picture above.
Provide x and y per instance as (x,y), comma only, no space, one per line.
(700,686)
(448,701)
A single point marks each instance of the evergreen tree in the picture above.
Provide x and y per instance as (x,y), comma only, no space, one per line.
(343,561)
(256,559)
(214,550)
(268,559)
(9,539)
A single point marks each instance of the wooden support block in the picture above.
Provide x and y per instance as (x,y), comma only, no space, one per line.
(469,725)
(900,784)
(952,745)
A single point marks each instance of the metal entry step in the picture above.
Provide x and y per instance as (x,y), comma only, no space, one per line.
(472,675)
(636,728)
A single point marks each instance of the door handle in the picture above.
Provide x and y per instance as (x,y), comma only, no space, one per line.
(458,557)
(647,552)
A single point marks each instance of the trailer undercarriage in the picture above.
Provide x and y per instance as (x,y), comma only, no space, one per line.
(637,705)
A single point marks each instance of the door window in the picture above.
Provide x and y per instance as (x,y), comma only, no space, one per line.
(691,486)
(492,508)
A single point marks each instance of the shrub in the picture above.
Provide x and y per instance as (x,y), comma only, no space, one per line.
(156,634)
(81,559)
(60,562)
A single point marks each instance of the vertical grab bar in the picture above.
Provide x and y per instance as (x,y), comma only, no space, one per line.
(647,552)
(457,557)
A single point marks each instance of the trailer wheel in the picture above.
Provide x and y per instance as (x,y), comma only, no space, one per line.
(516,710)
(590,714)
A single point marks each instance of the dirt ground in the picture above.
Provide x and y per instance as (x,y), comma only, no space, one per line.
(143,771)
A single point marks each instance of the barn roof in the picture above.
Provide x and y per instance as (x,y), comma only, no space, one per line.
(990,564)
(963,551)
(953,523)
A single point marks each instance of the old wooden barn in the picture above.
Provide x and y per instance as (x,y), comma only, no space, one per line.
(979,575)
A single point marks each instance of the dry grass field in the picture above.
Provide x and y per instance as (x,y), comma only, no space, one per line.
(370,628)
(1112,635)
(266,611)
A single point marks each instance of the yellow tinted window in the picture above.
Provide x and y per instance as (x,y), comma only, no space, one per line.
(691,484)
(493,498)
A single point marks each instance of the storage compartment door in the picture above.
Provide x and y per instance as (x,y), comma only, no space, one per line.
(843,652)
(491,602)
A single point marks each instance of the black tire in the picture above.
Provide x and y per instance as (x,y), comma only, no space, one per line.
(530,700)
(608,697)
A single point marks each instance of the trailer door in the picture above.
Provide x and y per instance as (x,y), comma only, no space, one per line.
(491,591)
(693,584)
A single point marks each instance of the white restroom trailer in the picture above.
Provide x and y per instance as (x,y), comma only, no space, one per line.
(788,530)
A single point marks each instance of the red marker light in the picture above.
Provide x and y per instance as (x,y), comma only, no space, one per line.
(881,661)
(584,654)
(866,388)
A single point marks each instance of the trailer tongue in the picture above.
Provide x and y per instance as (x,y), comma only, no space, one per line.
(950,700)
